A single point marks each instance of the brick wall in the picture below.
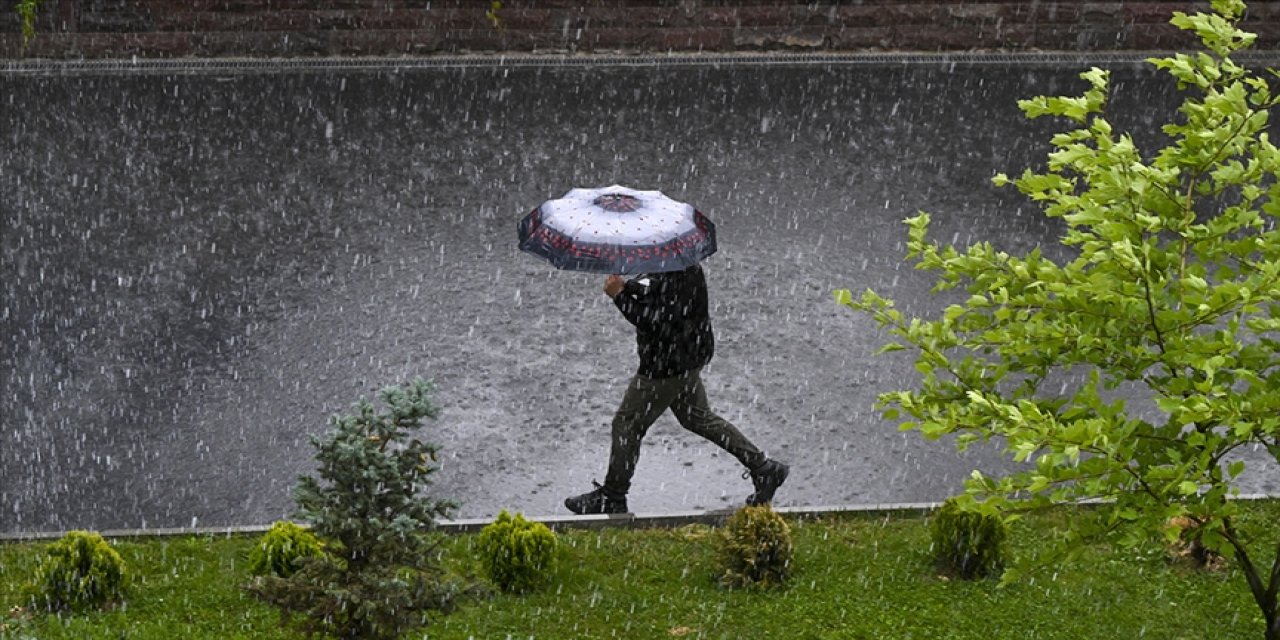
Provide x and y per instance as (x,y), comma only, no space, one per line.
(168,28)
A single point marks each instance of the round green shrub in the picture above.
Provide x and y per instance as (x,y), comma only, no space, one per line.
(755,548)
(517,555)
(76,572)
(967,544)
(282,549)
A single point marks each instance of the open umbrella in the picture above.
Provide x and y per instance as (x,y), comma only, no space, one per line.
(617,230)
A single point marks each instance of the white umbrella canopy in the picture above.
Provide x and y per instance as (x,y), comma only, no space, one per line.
(619,230)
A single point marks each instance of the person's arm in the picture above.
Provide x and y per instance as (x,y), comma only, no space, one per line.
(638,300)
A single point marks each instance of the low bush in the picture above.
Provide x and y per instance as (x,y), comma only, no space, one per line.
(76,572)
(755,549)
(282,550)
(516,554)
(967,544)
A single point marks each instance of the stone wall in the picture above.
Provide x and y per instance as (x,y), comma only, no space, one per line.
(169,28)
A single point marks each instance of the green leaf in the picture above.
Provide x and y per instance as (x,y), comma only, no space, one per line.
(1170,405)
(1243,429)
(933,430)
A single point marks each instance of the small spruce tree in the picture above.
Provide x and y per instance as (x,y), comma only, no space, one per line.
(379,573)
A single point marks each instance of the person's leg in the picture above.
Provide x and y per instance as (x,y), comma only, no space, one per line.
(694,413)
(644,400)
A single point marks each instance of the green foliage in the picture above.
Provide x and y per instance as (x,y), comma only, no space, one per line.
(183,586)
(379,575)
(79,571)
(754,548)
(515,553)
(27,14)
(856,575)
(282,550)
(492,14)
(16,623)
(1174,286)
(968,544)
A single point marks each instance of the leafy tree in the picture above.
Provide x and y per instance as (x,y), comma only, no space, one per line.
(1173,285)
(378,574)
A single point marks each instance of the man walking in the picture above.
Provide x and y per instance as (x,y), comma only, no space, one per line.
(674,341)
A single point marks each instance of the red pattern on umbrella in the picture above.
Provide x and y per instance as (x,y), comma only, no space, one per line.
(600,245)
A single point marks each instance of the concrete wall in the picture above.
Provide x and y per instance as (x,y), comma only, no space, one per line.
(169,28)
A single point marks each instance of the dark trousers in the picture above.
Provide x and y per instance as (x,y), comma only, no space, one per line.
(645,400)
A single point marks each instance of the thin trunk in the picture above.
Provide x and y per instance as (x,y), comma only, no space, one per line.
(1263,594)
(1272,595)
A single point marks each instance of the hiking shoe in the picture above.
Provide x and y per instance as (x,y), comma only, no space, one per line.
(767,478)
(599,501)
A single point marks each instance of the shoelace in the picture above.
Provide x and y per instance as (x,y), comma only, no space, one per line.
(604,493)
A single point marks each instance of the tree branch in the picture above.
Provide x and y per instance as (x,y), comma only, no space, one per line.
(1142,481)
(1155,326)
(1200,170)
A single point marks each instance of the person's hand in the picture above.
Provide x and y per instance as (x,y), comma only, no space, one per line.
(613,285)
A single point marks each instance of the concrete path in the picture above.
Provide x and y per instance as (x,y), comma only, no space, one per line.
(199,268)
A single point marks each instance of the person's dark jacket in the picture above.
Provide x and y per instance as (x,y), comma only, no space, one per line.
(673,326)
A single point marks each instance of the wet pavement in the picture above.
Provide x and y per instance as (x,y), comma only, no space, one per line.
(199,269)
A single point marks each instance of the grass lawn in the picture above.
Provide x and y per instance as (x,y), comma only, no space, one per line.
(855,577)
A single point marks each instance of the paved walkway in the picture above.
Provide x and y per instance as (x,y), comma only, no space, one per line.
(199,269)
